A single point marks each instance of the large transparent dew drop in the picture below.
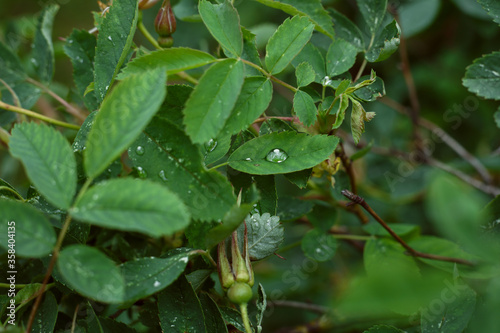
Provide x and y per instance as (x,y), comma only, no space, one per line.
(139,150)
(210,145)
(277,156)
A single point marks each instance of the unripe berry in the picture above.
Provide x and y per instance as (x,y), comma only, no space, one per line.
(240,293)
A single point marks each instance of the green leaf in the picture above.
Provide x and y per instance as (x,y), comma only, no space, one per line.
(213,317)
(358,118)
(123,115)
(91,273)
(383,329)
(323,216)
(386,42)
(213,99)
(43,51)
(164,154)
(231,221)
(299,178)
(12,72)
(310,8)
(373,12)
(304,107)
(483,76)
(132,205)
(340,114)
(217,148)
(223,23)
(254,98)
(312,56)
(266,186)
(492,7)
(250,52)
(175,60)
(146,276)
(232,317)
(496,116)
(179,308)
(34,236)
(113,43)
(458,219)
(80,143)
(7,191)
(383,256)
(265,235)
(48,160)
(347,30)
(416,16)
(340,58)
(297,152)
(172,106)
(371,92)
(453,315)
(319,245)
(80,48)
(287,42)
(305,74)
(46,316)
(261,307)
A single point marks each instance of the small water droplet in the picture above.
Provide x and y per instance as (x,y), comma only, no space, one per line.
(277,156)
(109,37)
(181,160)
(142,173)
(210,145)
(162,175)
(248,159)
(139,150)
(156,284)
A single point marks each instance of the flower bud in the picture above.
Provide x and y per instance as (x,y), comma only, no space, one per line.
(145,4)
(165,23)
(226,277)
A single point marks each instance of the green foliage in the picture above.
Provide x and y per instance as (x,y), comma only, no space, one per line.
(205,189)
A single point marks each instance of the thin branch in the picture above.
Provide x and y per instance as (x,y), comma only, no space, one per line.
(37,116)
(263,119)
(488,189)
(69,108)
(346,161)
(12,92)
(356,199)
(300,305)
(273,78)
(55,254)
(445,137)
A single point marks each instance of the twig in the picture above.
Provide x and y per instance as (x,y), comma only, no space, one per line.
(445,137)
(263,119)
(300,305)
(356,199)
(346,161)
(488,189)
(55,254)
(37,116)
(69,108)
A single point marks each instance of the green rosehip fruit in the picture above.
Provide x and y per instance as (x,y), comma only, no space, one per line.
(240,293)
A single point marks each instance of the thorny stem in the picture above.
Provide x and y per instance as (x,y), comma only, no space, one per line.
(346,161)
(71,109)
(37,116)
(356,199)
(244,317)
(361,69)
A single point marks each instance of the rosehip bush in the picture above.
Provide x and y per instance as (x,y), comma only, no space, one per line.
(251,166)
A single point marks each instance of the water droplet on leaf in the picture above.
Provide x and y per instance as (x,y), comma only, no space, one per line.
(142,173)
(139,150)
(162,175)
(276,156)
(211,145)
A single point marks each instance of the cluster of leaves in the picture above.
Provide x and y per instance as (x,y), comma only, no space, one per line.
(124,222)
